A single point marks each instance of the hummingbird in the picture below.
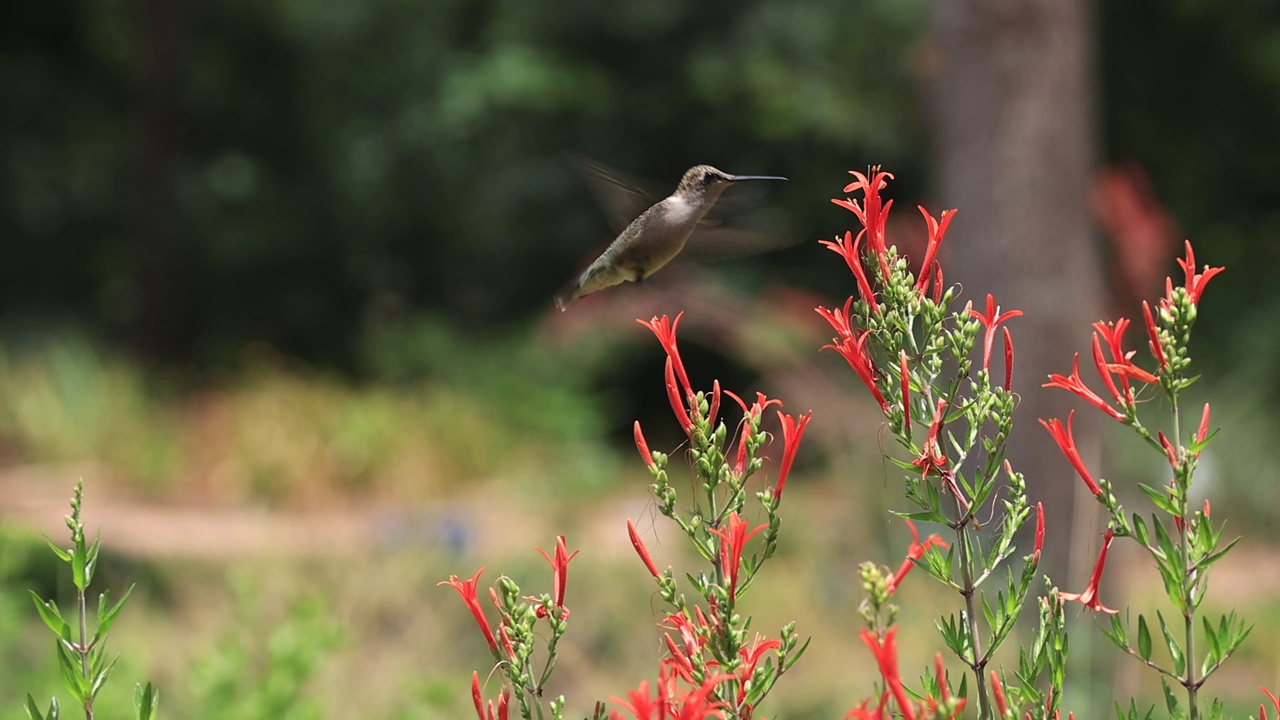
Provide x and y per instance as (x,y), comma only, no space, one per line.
(655,236)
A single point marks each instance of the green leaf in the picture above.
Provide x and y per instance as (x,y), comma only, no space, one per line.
(1144,639)
(108,618)
(51,616)
(33,710)
(1215,557)
(145,701)
(100,678)
(1140,529)
(91,561)
(1160,498)
(63,555)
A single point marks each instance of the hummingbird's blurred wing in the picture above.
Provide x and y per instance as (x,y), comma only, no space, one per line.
(621,196)
(750,233)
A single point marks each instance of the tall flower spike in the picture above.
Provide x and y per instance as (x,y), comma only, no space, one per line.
(1089,598)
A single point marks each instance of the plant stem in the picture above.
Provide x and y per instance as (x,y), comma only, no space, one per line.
(83,649)
(971,615)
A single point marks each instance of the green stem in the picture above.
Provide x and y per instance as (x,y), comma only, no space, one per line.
(971,615)
(83,651)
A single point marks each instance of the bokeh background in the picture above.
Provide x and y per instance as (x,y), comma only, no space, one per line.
(276,283)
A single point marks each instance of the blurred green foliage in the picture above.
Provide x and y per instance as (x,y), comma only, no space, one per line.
(195,177)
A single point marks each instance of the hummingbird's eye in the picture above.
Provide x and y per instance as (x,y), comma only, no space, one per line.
(708,177)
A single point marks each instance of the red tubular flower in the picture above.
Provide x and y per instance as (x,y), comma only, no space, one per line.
(915,551)
(1170,453)
(1153,336)
(1035,553)
(792,431)
(714,409)
(931,458)
(936,231)
(643,446)
(848,249)
(1203,431)
(750,658)
(1067,444)
(906,391)
(1089,598)
(467,589)
(1121,361)
(838,319)
(641,550)
(1077,386)
(854,352)
(997,689)
(677,404)
(1275,703)
(1008,359)
(733,540)
(1100,362)
(489,713)
(1196,282)
(862,712)
(874,213)
(665,330)
(990,320)
(559,574)
(886,655)
(938,283)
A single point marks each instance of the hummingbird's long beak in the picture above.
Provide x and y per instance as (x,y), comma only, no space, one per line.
(739,178)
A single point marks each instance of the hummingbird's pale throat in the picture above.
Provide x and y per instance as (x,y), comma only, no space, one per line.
(657,236)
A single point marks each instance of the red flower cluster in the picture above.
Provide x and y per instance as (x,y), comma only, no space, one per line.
(873,213)
(489,711)
(681,396)
(672,702)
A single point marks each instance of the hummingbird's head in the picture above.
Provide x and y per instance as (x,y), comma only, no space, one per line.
(706,182)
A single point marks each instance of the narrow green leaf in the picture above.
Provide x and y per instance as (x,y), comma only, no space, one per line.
(1140,530)
(145,701)
(91,561)
(33,710)
(108,618)
(1144,639)
(63,555)
(1159,497)
(51,616)
(1215,646)
(1215,557)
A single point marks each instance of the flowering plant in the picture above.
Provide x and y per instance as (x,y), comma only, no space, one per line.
(930,370)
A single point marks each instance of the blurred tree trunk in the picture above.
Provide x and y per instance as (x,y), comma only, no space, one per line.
(1012,96)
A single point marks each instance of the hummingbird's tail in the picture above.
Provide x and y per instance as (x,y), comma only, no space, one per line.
(567,297)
